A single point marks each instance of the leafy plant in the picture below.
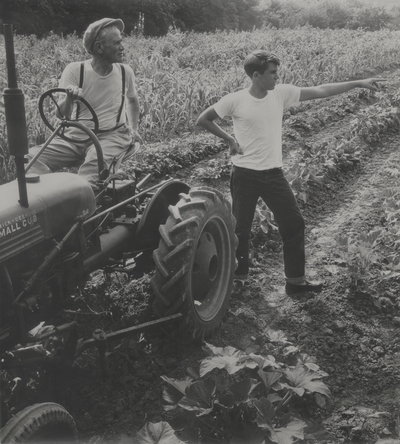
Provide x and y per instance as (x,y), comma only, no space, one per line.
(242,396)
(161,433)
(367,264)
(378,118)
(391,237)
(358,255)
(331,156)
(218,168)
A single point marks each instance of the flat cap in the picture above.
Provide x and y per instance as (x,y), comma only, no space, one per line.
(94,29)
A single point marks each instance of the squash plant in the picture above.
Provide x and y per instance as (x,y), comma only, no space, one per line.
(241,396)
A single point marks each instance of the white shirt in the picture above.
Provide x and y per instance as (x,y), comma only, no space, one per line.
(257,124)
(104,93)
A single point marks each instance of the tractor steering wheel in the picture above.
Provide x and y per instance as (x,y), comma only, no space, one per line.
(47,107)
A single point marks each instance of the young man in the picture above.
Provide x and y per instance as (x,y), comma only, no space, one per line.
(256,153)
(108,85)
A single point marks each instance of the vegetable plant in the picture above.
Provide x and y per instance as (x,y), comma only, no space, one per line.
(242,396)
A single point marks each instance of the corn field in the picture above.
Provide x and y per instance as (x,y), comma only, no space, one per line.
(181,74)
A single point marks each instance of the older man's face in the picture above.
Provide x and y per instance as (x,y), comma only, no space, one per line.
(110,46)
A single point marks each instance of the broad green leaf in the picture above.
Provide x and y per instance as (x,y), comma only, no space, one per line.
(182,420)
(258,359)
(371,237)
(277,336)
(311,366)
(273,397)
(175,392)
(253,348)
(212,350)
(265,412)
(293,430)
(315,368)
(304,357)
(200,411)
(367,253)
(290,350)
(269,378)
(242,389)
(301,380)
(199,397)
(310,363)
(170,401)
(228,358)
(247,362)
(262,362)
(179,384)
(159,433)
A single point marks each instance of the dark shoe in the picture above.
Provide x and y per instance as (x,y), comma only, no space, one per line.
(315,287)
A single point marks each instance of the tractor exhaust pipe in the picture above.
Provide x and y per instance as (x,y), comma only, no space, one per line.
(14,104)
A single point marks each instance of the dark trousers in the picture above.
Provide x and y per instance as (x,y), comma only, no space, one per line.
(271,185)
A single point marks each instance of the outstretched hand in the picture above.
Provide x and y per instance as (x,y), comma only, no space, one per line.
(372,84)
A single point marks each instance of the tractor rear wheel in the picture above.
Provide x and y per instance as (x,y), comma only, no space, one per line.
(40,423)
(195,262)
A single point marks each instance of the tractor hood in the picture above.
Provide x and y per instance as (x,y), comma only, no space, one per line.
(54,204)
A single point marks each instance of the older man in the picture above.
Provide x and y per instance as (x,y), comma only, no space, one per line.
(108,85)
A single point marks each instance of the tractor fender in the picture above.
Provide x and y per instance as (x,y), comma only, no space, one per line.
(156,214)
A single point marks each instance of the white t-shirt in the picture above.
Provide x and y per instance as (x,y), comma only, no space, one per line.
(257,124)
(104,94)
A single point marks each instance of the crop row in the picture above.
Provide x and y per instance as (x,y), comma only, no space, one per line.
(323,160)
(371,116)
(179,75)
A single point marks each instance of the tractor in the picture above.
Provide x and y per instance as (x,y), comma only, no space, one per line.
(55,232)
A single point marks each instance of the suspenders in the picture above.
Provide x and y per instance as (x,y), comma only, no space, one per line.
(78,105)
(81,75)
(123,93)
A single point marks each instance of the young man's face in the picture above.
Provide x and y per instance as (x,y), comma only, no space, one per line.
(268,80)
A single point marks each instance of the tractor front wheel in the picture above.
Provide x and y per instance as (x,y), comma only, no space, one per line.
(195,262)
(40,423)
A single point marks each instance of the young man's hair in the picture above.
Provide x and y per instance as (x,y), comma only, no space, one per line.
(258,61)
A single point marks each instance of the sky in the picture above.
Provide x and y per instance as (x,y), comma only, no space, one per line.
(386,3)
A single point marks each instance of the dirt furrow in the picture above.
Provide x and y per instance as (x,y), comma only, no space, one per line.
(362,197)
(357,343)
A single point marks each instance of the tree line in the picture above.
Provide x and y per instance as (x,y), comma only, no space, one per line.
(156,17)
(148,17)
